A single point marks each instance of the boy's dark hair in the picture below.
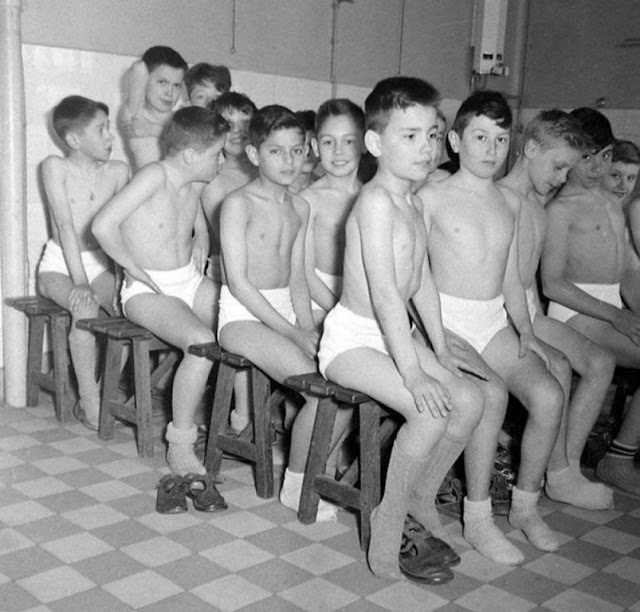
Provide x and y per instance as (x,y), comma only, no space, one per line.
(234,101)
(73,113)
(491,104)
(550,126)
(159,56)
(337,107)
(596,126)
(270,119)
(625,152)
(396,93)
(192,127)
(208,73)
(307,119)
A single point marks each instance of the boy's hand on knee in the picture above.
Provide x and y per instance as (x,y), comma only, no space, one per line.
(628,323)
(307,340)
(81,296)
(428,394)
(529,343)
(458,366)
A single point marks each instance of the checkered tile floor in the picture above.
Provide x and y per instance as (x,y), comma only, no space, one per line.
(78,531)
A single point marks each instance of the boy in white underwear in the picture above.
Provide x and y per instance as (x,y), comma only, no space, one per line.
(474,262)
(154,85)
(265,309)
(156,230)
(338,144)
(367,343)
(553,144)
(583,263)
(74,271)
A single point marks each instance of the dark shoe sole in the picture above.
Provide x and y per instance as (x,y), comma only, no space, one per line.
(204,493)
(433,575)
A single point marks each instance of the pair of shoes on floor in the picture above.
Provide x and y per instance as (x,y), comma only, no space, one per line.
(173,491)
(79,413)
(423,557)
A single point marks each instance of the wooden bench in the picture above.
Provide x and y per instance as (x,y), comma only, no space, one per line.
(255,442)
(136,408)
(360,486)
(41,312)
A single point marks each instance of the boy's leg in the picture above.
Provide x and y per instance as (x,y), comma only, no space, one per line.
(617,466)
(595,366)
(173,321)
(82,344)
(540,393)
(375,374)
(104,287)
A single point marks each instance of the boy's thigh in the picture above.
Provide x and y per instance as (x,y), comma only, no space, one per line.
(169,318)
(276,355)
(56,287)
(205,302)
(626,352)
(104,286)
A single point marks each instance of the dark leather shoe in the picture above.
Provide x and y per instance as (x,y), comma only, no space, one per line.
(172,495)
(418,542)
(204,494)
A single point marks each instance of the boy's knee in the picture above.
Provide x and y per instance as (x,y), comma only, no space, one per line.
(201,335)
(600,363)
(547,404)
(85,312)
(469,404)
(496,395)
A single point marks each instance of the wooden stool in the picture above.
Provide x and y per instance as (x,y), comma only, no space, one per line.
(627,382)
(40,312)
(136,409)
(255,442)
(375,430)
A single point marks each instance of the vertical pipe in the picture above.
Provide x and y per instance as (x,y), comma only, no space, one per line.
(12,201)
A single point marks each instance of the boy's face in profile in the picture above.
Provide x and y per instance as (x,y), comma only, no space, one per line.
(280,156)
(592,167)
(620,181)
(203,94)
(407,144)
(207,161)
(549,166)
(238,131)
(164,88)
(483,146)
(95,139)
(339,145)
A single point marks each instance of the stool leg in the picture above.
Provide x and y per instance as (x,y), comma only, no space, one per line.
(59,339)
(142,384)
(263,439)
(219,416)
(112,362)
(34,358)
(319,450)
(369,417)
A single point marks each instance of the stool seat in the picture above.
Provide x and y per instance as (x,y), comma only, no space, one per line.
(41,312)
(255,442)
(359,487)
(136,408)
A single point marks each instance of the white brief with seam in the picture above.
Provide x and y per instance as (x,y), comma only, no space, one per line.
(333,283)
(232,310)
(476,321)
(605,293)
(182,283)
(95,262)
(344,330)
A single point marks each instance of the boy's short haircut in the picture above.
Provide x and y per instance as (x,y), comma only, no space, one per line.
(549,127)
(488,103)
(625,152)
(336,107)
(307,119)
(596,125)
(234,101)
(396,93)
(160,56)
(202,73)
(270,119)
(440,115)
(74,113)
(192,127)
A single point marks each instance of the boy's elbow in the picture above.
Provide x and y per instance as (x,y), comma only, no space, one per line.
(99,229)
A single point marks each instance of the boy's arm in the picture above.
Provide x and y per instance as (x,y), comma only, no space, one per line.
(375,219)
(200,249)
(298,282)
(234,219)
(634,223)
(135,125)
(320,293)
(212,197)
(106,226)
(557,288)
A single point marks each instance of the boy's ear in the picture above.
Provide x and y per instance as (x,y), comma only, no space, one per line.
(252,154)
(72,139)
(372,142)
(189,155)
(454,141)
(531,149)
(314,146)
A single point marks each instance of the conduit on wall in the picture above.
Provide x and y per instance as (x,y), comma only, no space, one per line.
(333,78)
(12,201)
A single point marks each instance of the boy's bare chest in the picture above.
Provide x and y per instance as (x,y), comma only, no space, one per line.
(86,195)
(273,226)
(598,224)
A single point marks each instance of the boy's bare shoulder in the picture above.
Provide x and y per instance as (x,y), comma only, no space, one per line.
(55,163)
(433,193)
(300,205)
(566,203)
(512,198)
(117,168)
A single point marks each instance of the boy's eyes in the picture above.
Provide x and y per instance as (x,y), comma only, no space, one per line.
(503,139)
